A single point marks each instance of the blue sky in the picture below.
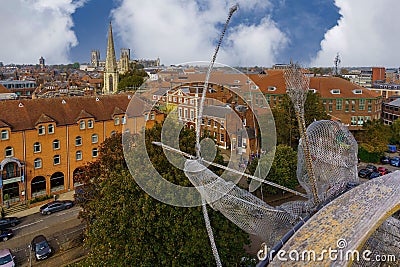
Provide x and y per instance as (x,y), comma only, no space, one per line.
(262,32)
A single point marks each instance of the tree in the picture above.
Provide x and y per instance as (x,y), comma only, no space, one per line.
(287,128)
(373,140)
(283,168)
(127,227)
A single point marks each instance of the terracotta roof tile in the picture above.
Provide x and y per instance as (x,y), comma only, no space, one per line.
(64,111)
(84,115)
(44,118)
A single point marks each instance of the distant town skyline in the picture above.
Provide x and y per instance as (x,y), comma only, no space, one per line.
(261,33)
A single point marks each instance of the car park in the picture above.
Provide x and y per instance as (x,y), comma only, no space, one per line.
(6,234)
(371,167)
(6,258)
(383,170)
(373,175)
(40,246)
(395,161)
(364,173)
(385,160)
(55,206)
(7,222)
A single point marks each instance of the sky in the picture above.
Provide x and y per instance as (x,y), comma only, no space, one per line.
(260,33)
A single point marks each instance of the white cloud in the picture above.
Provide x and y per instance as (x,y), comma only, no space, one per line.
(181,31)
(366,35)
(34,28)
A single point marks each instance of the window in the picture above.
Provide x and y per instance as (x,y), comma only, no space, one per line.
(361,104)
(78,141)
(123,120)
(116,121)
(152,116)
(112,133)
(222,137)
(360,120)
(56,160)
(222,124)
(82,125)
(186,113)
(330,108)
(95,152)
(37,163)
(347,108)
(50,128)
(95,138)
(4,134)
(335,91)
(41,130)
(209,122)
(353,120)
(215,124)
(369,108)
(338,104)
(9,151)
(90,124)
(78,155)
(36,147)
(271,88)
(202,121)
(56,144)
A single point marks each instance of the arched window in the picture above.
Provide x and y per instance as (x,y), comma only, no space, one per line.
(95,152)
(56,144)
(41,130)
(56,160)
(37,147)
(4,135)
(9,151)
(78,155)
(78,141)
(37,163)
(82,125)
(95,138)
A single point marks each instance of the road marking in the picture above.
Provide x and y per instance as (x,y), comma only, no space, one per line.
(29,224)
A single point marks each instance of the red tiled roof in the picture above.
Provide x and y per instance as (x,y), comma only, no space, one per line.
(43,119)
(3,89)
(23,114)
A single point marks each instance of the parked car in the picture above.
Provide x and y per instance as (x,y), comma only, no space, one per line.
(6,234)
(56,205)
(371,167)
(40,246)
(385,160)
(364,173)
(383,170)
(374,175)
(395,161)
(6,258)
(7,222)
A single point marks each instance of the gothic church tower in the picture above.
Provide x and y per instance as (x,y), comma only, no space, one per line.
(111,68)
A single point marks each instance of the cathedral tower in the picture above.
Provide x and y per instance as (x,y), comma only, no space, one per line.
(111,68)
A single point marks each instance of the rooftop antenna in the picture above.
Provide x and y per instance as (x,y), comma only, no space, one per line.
(337,63)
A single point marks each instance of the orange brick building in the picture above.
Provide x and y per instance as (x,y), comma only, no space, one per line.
(45,141)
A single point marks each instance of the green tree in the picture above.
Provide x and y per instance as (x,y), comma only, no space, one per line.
(127,227)
(283,168)
(287,129)
(373,140)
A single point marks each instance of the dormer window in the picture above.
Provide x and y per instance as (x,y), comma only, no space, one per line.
(312,90)
(4,135)
(90,124)
(82,125)
(357,91)
(271,88)
(41,130)
(335,91)
(50,128)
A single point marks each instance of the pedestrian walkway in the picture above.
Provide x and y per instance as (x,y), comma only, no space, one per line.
(63,196)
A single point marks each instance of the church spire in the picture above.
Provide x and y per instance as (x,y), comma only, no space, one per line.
(111,61)
(111,68)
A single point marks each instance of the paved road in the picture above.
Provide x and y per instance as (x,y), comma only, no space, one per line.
(62,229)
